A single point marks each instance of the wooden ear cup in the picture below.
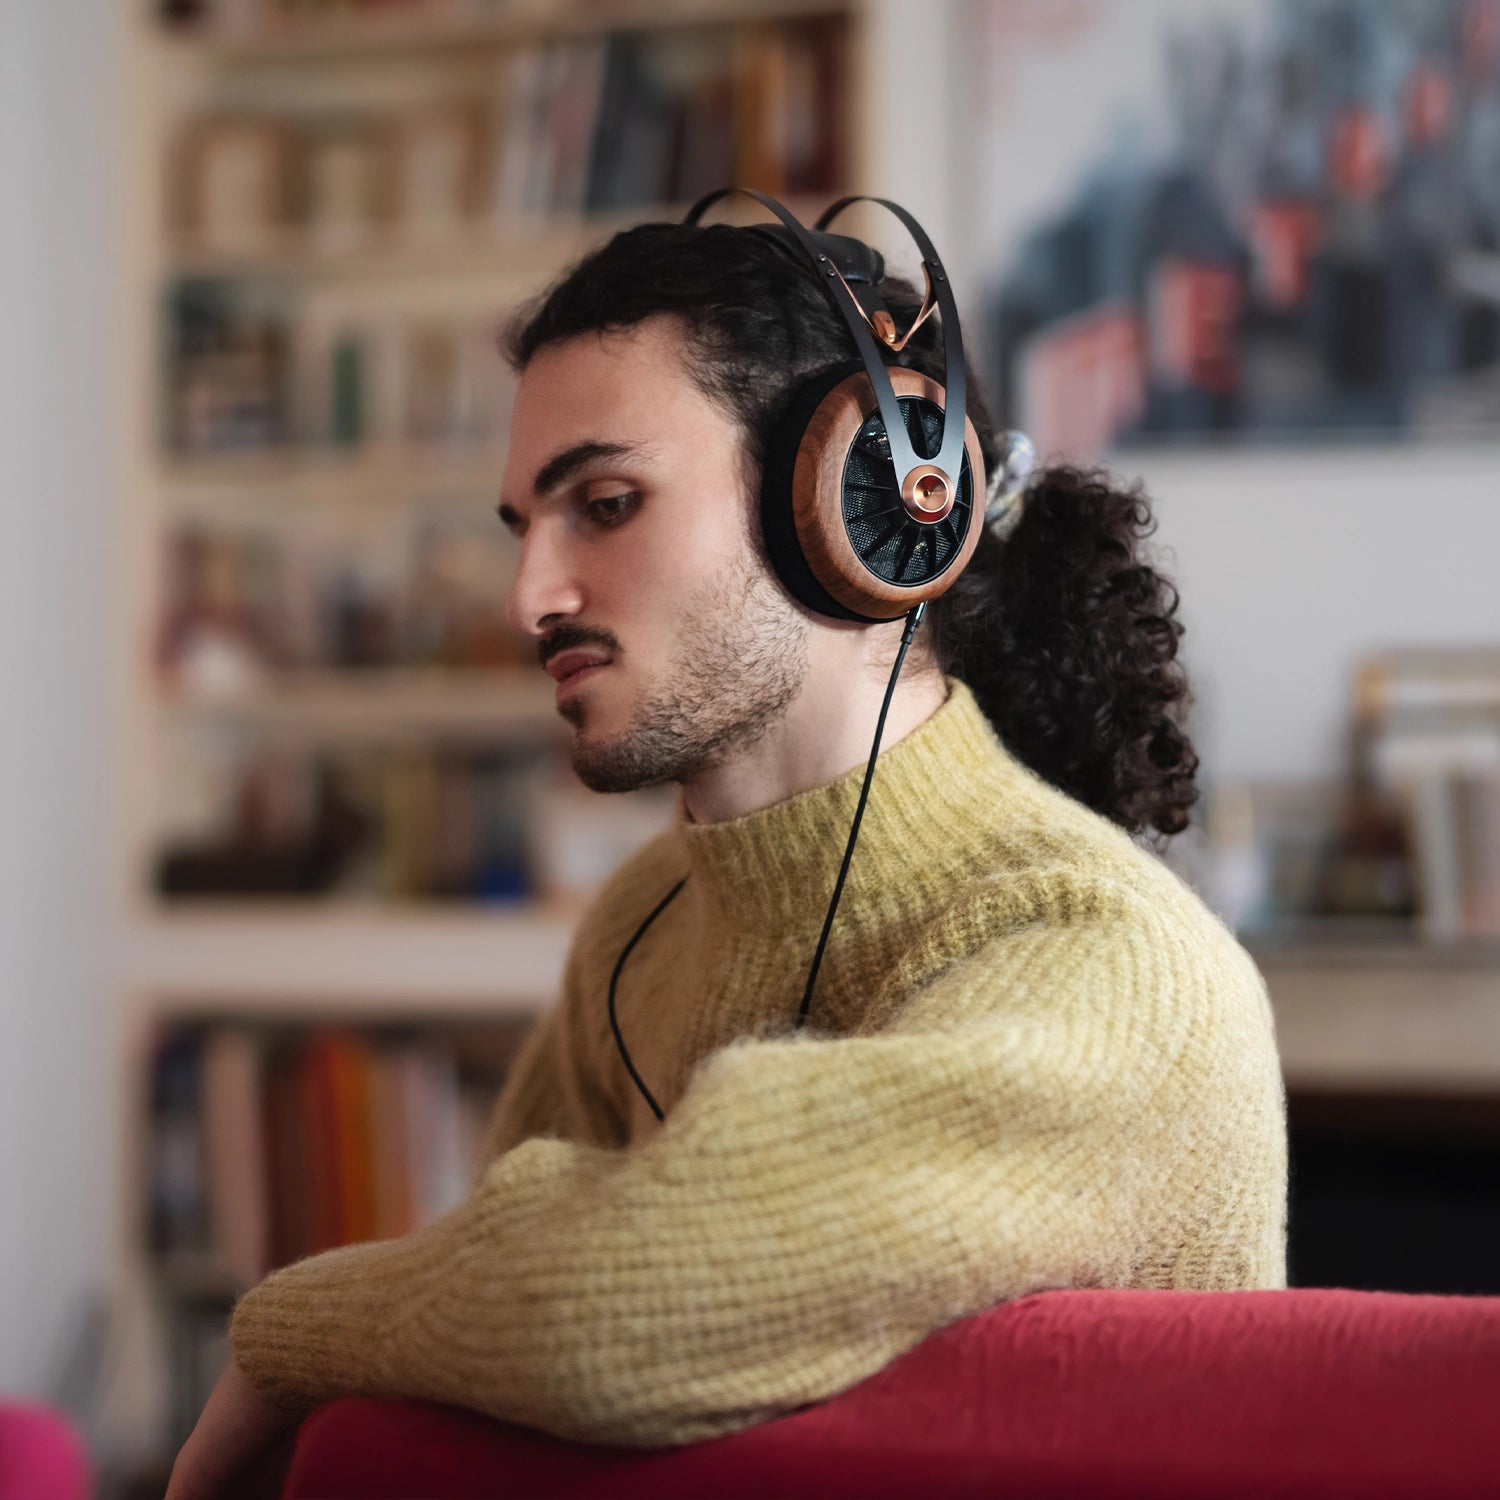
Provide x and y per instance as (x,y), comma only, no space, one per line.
(837,531)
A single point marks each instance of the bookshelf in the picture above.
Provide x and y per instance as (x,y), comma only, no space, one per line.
(324,230)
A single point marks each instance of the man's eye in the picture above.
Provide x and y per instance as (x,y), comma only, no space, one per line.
(609,509)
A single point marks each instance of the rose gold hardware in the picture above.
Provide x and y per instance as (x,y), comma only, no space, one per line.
(887,334)
(927,493)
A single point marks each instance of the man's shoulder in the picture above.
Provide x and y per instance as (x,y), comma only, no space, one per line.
(1080,906)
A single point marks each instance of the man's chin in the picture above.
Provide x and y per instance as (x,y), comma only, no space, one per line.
(601,768)
(621,761)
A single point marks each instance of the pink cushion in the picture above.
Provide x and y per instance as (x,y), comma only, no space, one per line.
(1299,1393)
(41,1456)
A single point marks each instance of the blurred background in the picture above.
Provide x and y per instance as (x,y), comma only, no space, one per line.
(291,849)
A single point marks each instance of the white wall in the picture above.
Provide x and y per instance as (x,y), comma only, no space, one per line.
(1291,564)
(56,88)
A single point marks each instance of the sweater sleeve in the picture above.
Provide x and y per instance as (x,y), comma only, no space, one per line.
(812,1208)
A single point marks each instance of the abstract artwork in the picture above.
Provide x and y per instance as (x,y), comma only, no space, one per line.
(1237,221)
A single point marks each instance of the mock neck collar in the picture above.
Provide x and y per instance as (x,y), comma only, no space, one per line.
(931,811)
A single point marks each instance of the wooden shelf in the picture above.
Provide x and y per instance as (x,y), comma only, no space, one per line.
(356,704)
(1383,1019)
(379,474)
(522,253)
(1340,942)
(346,959)
(528,23)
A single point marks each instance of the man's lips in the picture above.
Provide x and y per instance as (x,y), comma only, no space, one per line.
(567,663)
(572,668)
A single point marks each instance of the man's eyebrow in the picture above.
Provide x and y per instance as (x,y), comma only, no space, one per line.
(562,466)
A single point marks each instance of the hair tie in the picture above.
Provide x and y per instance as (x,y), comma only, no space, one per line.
(1005,498)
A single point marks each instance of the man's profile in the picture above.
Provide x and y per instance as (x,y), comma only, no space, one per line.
(1034,1057)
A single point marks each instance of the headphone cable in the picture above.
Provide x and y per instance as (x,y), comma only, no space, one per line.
(913,619)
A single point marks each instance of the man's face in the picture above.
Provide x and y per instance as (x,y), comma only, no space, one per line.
(626,487)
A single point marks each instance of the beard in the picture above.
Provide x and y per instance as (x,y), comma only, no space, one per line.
(740,663)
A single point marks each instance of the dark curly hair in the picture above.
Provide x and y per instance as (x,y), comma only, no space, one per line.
(1063,631)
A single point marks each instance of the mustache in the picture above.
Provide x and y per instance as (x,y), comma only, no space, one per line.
(566,637)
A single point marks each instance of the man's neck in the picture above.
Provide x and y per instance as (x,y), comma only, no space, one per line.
(828,730)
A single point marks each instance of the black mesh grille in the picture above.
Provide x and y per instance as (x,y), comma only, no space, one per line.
(889,540)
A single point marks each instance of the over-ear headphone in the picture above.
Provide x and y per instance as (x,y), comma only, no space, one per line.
(870,482)
(868,489)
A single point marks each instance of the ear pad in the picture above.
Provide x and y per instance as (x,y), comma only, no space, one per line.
(835,528)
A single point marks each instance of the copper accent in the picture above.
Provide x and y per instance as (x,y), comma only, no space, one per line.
(927,493)
(887,333)
(818,498)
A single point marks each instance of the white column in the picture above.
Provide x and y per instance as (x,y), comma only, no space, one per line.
(57,75)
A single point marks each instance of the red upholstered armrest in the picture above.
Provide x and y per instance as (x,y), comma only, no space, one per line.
(42,1455)
(1304,1393)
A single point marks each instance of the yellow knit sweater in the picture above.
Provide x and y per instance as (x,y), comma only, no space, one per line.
(1034,1059)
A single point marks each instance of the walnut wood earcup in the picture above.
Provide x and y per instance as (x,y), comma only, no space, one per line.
(826,497)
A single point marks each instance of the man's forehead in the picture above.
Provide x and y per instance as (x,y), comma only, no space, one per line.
(621,394)
(591,382)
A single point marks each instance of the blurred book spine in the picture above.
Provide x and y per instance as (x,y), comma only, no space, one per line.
(248,370)
(1430,726)
(593,123)
(272,1144)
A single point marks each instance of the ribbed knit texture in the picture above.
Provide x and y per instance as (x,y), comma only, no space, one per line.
(1034,1059)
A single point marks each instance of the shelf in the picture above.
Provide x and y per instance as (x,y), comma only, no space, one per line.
(528,23)
(357,704)
(1341,942)
(382,474)
(347,959)
(1351,1019)
(1357,1024)
(525,253)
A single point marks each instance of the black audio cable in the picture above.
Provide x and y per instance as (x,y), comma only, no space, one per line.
(913,619)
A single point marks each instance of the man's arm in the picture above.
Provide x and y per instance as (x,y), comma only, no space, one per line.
(810,1210)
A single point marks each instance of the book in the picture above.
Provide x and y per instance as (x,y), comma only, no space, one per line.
(271,1143)
(235,176)
(286,1154)
(1427,677)
(630,161)
(1477,813)
(235,1153)
(391,1143)
(1428,730)
(438,169)
(1435,846)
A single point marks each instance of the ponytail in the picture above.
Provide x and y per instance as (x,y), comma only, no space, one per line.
(1066,636)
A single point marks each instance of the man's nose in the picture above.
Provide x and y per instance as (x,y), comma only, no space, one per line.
(545,587)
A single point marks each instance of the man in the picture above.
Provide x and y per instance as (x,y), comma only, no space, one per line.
(1033,1059)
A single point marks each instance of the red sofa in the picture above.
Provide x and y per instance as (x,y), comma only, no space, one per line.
(1088,1395)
